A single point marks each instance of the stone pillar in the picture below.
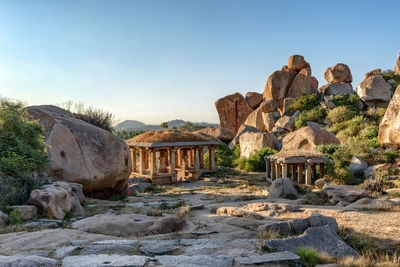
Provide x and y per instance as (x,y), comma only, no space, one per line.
(284,170)
(146,159)
(162,162)
(308,174)
(201,157)
(172,163)
(277,170)
(321,169)
(300,173)
(273,170)
(212,158)
(196,165)
(176,159)
(142,164)
(184,160)
(293,173)
(133,156)
(153,170)
(180,157)
(190,157)
(267,167)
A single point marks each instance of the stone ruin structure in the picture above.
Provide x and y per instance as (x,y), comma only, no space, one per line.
(168,156)
(295,164)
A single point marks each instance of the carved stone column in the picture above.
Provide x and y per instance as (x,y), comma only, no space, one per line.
(133,156)
(142,164)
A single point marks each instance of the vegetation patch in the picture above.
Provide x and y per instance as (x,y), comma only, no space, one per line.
(305,102)
(308,256)
(255,162)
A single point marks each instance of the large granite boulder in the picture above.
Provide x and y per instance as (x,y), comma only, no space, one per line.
(27,261)
(314,84)
(3,218)
(282,187)
(278,84)
(338,73)
(357,166)
(301,84)
(83,153)
(297,63)
(251,142)
(57,199)
(308,138)
(344,193)
(224,134)
(397,66)
(375,91)
(268,106)
(243,129)
(336,88)
(254,99)
(372,73)
(261,120)
(320,238)
(389,128)
(233,111)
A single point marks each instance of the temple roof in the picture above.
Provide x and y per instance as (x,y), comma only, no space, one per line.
(170,137)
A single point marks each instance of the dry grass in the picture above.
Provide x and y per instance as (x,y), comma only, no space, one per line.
(269,235)
(157,136)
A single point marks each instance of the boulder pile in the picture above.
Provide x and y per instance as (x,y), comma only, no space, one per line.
(339,80)
(374,91)
(390,125)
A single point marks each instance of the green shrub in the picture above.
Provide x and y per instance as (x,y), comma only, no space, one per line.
(350,101)
(308,256)
(315,114)
(255,162)
(22,151)
(98,117)
(340,114)
(391,156)
(223,156)
(375,186)
(15,217)
(391,78)
(305,102)
(375,114)
(349,128)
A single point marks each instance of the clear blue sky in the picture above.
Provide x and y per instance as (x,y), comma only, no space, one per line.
(156,60)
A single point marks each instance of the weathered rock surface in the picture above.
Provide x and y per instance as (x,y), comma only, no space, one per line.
(128,224)
(282,187)
(192,261)
(104,260)
(44,239)
(336,89)
(320,238)
(314,84)
(57,199)
(375,91)
(233,111)
(301,84)
(285,122)
(237,212)
(243,129)
(357,166)
(297,62)
(389,128)
(397,66)
(268,106)
(224,134)
(347,193)
(82,153)
(374,204)
(260,120)
(277,85)
(254,99)
(338,73)
(372,73)
(27,261)
(308,138)
(369,172)
(250,142)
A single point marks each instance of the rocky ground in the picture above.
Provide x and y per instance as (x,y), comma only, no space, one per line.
(221,220)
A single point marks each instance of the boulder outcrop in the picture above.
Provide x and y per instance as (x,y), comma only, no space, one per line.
(261,120)
(308,138)
(254,99)
(282,187)
(233,111)
(375,91)
(336,88)
(372,73)
(397,66)
(83,153)
(338,73)
(224,134)
(250,142)
(389,127)
(58,198)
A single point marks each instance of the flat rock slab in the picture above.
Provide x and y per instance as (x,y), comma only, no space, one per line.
(348,193)
(283,258)
(155,247)
(319,238)
(45,239)
(27,261)
(104,261)
(195,261)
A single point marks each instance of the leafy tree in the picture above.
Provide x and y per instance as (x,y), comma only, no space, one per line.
(22,151)
(164,125)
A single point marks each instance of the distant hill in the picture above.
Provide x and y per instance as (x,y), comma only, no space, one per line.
(133,125)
